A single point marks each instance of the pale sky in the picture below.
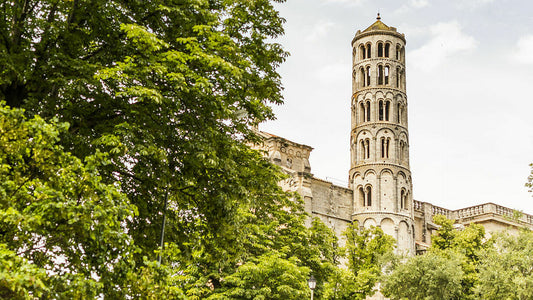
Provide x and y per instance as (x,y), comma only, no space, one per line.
(469,92)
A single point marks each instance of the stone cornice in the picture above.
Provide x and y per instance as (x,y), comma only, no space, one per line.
(372,165)
(379,88)
(361,35)
(381,123)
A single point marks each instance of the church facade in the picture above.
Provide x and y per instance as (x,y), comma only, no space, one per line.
(380,190)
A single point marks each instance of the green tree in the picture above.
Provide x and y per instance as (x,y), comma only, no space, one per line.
(431,276)
(365,249)
(171,88)
(169,91)
(452,261)
(62,227)
(505,269)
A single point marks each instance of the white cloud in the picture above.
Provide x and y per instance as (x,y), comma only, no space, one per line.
(524,50)
(471,3)
(320,30)
(349,2)
(413,4)
(418,3)
(447,40)
(333,73)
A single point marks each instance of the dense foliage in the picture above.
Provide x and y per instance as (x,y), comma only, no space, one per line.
(160,98)
(464,264)
(366,252)
(119,115)
(62,227)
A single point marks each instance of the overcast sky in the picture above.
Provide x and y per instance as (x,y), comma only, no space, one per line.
(469,92)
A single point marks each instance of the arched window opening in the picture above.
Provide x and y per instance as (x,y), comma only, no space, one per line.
(368,51)
(363,77)
(398,114)
(387,110)
(363,150)
(367,76)
(362,112)
(361,196)
(402,196)
(382,147)
(368,196)
(385,142)
(403,147)
(387,49)
(367,148)
(363,52)
(380,74)
(380,49)
(387,75)
(398,77)
(397,52)
(368,111)
(380,110)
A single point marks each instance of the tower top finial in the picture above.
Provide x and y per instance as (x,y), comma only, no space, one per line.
(379,17)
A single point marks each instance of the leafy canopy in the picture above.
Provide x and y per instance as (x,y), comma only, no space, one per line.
(62,226)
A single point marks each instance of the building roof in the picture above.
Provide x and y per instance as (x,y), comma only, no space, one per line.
(378,25)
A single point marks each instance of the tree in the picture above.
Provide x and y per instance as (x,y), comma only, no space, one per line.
(62,227)
(505,269)
(365,250)
(172,89)
(452,261)
(167,93)
(431,276)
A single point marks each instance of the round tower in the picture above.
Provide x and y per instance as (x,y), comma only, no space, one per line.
(379,172)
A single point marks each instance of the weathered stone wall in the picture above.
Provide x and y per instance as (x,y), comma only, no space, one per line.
(332,204)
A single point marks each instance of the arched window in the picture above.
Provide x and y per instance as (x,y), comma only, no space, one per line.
(368,51)
(386,74)
(397,52)
(365,148)
(403,147)
(402,196)
(398,77)
(368,111)
(385,142)
(387,110)
(361,196)
(387,49)
(399,113)
(380,49)
(362,79)
(380,110)
(362,112)
(368,196)
(363,52)
(380,74)
(387,146)
(367,76)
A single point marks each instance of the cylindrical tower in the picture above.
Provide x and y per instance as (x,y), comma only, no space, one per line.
(379,172)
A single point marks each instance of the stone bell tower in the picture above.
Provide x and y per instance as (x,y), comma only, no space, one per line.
(379,141)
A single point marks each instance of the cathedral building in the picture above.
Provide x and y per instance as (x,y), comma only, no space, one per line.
(380,190)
